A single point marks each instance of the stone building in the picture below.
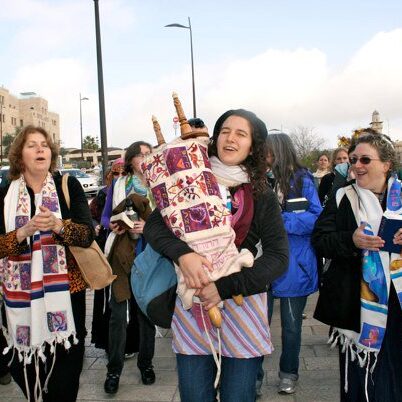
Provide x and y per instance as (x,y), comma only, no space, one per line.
(28,108)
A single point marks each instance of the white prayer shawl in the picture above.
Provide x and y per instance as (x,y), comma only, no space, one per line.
(35,284)
(366,208)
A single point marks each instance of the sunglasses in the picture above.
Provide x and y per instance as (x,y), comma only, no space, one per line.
(364,160)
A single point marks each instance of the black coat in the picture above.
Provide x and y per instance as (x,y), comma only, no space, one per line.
(339,300)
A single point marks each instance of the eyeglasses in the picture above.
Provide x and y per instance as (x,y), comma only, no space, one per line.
(364,160)
(196,122)
(116,173)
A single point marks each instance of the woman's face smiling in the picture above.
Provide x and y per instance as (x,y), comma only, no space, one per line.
(373,175)
(234,141)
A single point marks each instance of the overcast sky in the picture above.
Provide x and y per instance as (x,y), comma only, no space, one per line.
(324,65)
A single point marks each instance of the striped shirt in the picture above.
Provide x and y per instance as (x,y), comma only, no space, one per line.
(244,333)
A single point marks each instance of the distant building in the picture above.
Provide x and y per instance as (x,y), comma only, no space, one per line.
(28,108)
(376,123)
(73,155)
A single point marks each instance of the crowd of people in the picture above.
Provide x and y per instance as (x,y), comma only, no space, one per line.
(307,232)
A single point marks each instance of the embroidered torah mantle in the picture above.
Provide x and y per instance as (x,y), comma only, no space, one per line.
(189,198)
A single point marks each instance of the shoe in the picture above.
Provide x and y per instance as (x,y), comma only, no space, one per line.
(286,386)
(304,316)
(258,388)
(129,355)
(112,383)
(5,379)
(148,375)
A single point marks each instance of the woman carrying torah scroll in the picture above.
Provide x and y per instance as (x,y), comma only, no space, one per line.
(237,156)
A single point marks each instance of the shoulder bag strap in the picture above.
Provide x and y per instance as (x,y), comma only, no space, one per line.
(64,187)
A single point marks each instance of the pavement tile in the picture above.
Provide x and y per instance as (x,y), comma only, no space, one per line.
(321,363)
(319,376)
(128,392)
(325,350)
(320,393)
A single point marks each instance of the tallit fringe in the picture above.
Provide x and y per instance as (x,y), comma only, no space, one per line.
(363,357)
(28,355)
(217,355)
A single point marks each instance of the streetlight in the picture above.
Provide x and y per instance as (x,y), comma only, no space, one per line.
(192,58)
(102,113)
(82,142)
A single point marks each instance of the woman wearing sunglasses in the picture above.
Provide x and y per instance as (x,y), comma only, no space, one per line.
(361,292)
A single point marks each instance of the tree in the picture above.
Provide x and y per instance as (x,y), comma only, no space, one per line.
(63,151)
(308,145)
(90,143)
(7,141)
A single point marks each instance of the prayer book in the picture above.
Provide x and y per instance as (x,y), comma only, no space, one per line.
(122,220)
(297,205)
(388,228)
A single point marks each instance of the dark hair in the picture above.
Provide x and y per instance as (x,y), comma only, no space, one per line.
(383,144)
(15,153)
(286,163)
(255,164)
(133,150)
(196,122)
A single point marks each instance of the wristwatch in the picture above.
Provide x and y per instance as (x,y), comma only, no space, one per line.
(62,230)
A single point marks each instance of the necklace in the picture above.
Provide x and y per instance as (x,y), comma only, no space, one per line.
(380,196)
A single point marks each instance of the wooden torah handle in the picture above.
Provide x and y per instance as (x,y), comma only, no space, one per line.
(215,316)
(238,299)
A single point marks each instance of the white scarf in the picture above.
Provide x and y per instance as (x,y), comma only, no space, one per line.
(36,284)
(376,273)
(230,176)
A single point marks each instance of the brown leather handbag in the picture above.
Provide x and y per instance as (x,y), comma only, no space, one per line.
(91,261)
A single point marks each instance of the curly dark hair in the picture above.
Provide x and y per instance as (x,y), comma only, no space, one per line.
(15,153)
(384,146)
(255,164)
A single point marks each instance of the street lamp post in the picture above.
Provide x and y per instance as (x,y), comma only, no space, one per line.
(82,141)
(175,25)
(102,113)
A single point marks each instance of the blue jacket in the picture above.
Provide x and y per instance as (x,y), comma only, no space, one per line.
(301,278)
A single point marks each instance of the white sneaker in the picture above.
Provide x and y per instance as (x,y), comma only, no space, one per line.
(286,386)
(129,355)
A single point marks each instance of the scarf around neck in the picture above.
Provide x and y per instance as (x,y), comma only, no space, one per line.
(241,204)
(35,283)
(377,269)
(230,176)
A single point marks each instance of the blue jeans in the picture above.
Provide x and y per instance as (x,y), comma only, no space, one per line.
(291,321)
(197,376)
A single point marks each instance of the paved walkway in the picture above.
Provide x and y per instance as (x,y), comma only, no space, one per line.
(319,378)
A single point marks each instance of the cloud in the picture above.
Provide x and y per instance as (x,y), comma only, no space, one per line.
(286,88)
(56,27)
